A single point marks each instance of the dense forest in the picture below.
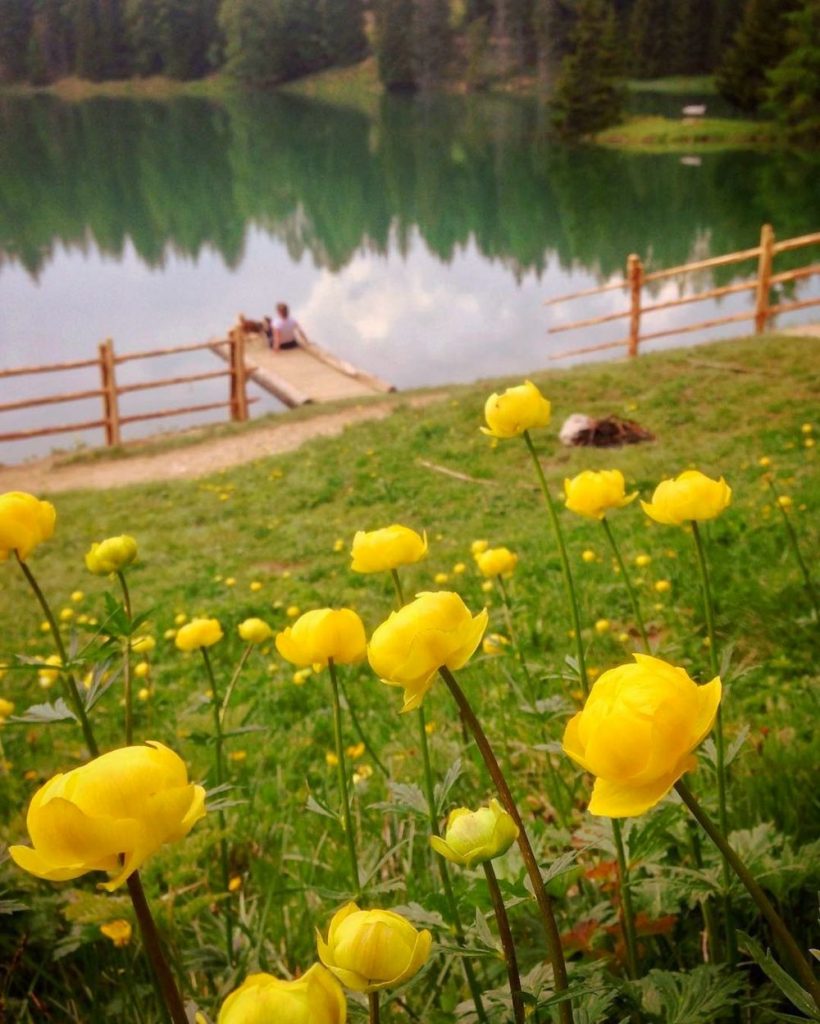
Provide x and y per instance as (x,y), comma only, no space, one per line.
(763,52)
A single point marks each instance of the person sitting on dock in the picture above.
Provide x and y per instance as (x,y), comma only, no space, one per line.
(284,329)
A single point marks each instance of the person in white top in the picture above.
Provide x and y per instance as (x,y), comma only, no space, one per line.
(284,329)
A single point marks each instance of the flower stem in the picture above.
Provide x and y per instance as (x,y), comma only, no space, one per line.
(720,745)
(554,951)
(357,726)
(792,535)
(633,597)
(519,654)
(397,584)
(219,767)
(153,949)
(452,906)
(223,708)
(373,1005)
(627,910)
(341,771)
(565,567)
(776,923)
(126,665)
(68,678)
(507,943)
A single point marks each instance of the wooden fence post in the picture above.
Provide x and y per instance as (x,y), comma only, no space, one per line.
(239,395)
(111,412)
(764,275)
(634,275)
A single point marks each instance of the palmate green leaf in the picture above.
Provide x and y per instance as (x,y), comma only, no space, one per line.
(700,996)
(313,805)
(405,797)
(44,714)
(442,789)
(794,992)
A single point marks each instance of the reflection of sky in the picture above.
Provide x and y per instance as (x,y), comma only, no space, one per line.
(412,320)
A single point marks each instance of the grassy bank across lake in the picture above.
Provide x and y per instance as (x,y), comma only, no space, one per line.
(662,134)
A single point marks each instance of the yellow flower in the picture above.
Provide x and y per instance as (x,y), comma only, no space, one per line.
(602,626)
(338,544)
(355,751)
(369,950)
(322,634)
(119,931)
(362,774)
(441,578)
(238,756)
(143,694)
(592,493)
(109,815)
(255,631)
(386,549)
(315,998)
(434,630)
(459,568)
(198,633)
(516,410)
(478,546)
(180,619)
(429,728)
(663,586)
(473,837)
(807,428)
(588,555)
(6,709)
(764,461)
(690,496)
(230,581)
(111,555)
(642,561)
(25,522)
(293,611)
(255,586)
(302,676)
(331,760)
(487,586)
(66,614)
(47,676)
(77,596)
(784,501)
(637,732)
(494,643)
(496,562)
(142,670)
(143,644)
(234,883)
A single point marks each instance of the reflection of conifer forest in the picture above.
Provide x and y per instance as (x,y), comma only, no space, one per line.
(328,181)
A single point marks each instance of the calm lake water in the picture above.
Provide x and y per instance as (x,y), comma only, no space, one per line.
(419,244)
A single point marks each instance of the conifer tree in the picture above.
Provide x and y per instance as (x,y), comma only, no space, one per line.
(343,31)
(394,43)
(432,42)
(15,28)
(757,47)
(793,92)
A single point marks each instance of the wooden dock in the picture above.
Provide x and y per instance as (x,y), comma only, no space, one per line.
(305,374)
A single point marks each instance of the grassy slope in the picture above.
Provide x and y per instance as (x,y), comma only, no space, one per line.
(703,133)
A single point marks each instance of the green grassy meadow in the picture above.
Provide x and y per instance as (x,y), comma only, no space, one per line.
(274,536)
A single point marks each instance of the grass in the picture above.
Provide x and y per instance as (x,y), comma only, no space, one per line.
(697,85)
(155,87)
(661,134)
(357,86)
(286,523)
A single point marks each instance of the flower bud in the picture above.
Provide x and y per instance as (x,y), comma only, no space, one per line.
(496,562)
(516,410)
(369,950)
(321,635)
(473,837)
(198,633)
(593,493)
(25,522)
(690,496)
(315,998)
(386,549)
(111,555)
(255,631)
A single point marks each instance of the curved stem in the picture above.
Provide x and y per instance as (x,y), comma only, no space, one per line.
(507,943)
(633,597)
(565,567)
(792,535)
(519,654)
(628,913)
(450,896)
(223,708)
(341,771)
(397,584)
(554,951)
(373,1006)
(357,727)
(126,665)
(720,745)
(153,948)
(782,933)
(68,677)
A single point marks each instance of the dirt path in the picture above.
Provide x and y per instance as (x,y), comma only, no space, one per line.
(48,476)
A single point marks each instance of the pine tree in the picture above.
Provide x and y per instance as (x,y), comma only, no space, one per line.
(88,62)
(15,28)
(253,40)
(648,39)
(758,46)
(394,44)
(793,92)
(588,96)
(343,31)
(432,42)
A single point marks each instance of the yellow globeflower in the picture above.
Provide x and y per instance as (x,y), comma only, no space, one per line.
(369,950)
(255,631)
(119,931)
(6,709)
(143,644)
(496,562)
(198,633)
(637,732)
(322,634)
(386,549)
(111,555)
(109,815)
(25,522)
(315,998)
(473,837)
(478,546)
(494,643)
(48,676)
(690,496)
(593,493)
(516,410)
(435,630)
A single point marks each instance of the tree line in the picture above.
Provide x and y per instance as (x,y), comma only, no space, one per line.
(762,51)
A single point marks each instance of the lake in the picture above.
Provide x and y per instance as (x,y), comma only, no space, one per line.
(418,243)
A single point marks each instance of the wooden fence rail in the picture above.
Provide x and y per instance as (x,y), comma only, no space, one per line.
(761,312)
(109,392)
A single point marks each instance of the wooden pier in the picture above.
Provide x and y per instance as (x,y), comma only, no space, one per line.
(300,375)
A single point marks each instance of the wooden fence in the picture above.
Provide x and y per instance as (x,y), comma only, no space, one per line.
(761,311)
(109,392)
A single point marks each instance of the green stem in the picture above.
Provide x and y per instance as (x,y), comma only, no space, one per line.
(67,677)
(554,951)
(627,910)
(219,767)
(153,948)
(633,597)
(398,587)
(565,567)
(342,776)
(782,933)
(795,546)
(507,943)
(452,905)
(354,718)
(373,1006)
(720,745)
(223,709)
(519,654)
(126,665)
